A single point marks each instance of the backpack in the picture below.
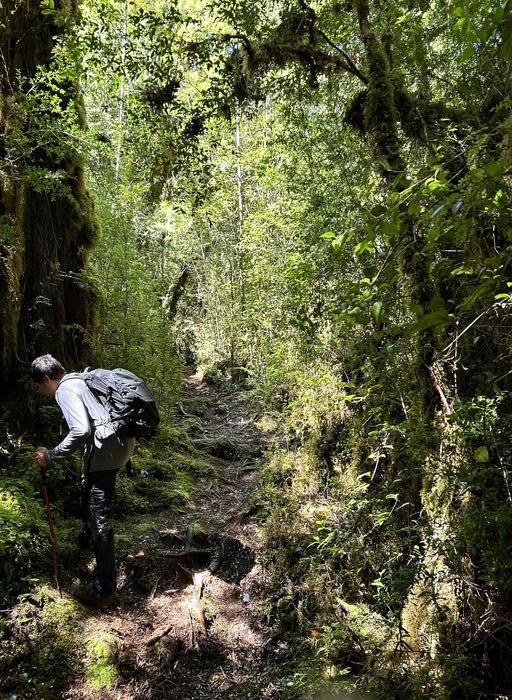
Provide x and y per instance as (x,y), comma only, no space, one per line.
(127,400)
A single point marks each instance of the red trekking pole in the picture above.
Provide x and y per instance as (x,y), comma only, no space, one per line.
(44,490)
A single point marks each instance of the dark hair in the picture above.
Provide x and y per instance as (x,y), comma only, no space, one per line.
(46,366)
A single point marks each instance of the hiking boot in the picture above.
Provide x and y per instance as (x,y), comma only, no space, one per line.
(90,596)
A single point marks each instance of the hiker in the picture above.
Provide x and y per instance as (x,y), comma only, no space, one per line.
(104,453)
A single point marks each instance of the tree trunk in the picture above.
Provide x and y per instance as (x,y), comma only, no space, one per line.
(47,304)
(382,124)
(177,292)
(120,117)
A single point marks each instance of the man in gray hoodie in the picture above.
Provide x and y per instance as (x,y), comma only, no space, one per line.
(103,454)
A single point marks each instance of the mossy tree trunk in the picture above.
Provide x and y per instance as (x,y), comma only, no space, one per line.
(381,123)
(46,301)
(431,613)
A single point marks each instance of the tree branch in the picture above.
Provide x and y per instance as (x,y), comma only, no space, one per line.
(351,66)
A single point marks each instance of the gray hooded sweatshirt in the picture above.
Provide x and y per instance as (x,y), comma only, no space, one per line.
(89,427)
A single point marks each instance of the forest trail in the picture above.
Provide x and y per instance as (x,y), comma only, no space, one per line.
(187,625)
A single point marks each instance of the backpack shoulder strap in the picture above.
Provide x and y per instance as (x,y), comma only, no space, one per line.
(71,375)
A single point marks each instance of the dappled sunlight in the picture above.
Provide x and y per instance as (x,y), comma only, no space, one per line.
(288,226)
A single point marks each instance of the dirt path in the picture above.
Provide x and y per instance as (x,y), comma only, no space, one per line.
(188,624)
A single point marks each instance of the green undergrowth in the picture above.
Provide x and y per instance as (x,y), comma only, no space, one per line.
(42,647)
(308,678)
(45,647)
(25,548)
(167,470)
(374,525)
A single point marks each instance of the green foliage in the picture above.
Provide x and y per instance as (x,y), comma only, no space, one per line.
(25,549)
(135,332)
(23,545)
(343,239)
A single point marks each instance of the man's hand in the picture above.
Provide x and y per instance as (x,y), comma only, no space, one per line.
(41,457)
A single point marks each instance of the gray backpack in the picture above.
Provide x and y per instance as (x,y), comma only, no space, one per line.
(126,398)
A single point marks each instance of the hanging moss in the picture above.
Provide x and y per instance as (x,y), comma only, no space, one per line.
(354,113)
(419,119)
(161,95)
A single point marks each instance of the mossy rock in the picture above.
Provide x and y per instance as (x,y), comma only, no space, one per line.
(164,478)
(149,495)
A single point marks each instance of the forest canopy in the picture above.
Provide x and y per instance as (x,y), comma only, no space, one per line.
(309,202)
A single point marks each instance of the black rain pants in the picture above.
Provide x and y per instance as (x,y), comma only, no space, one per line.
(99,502)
